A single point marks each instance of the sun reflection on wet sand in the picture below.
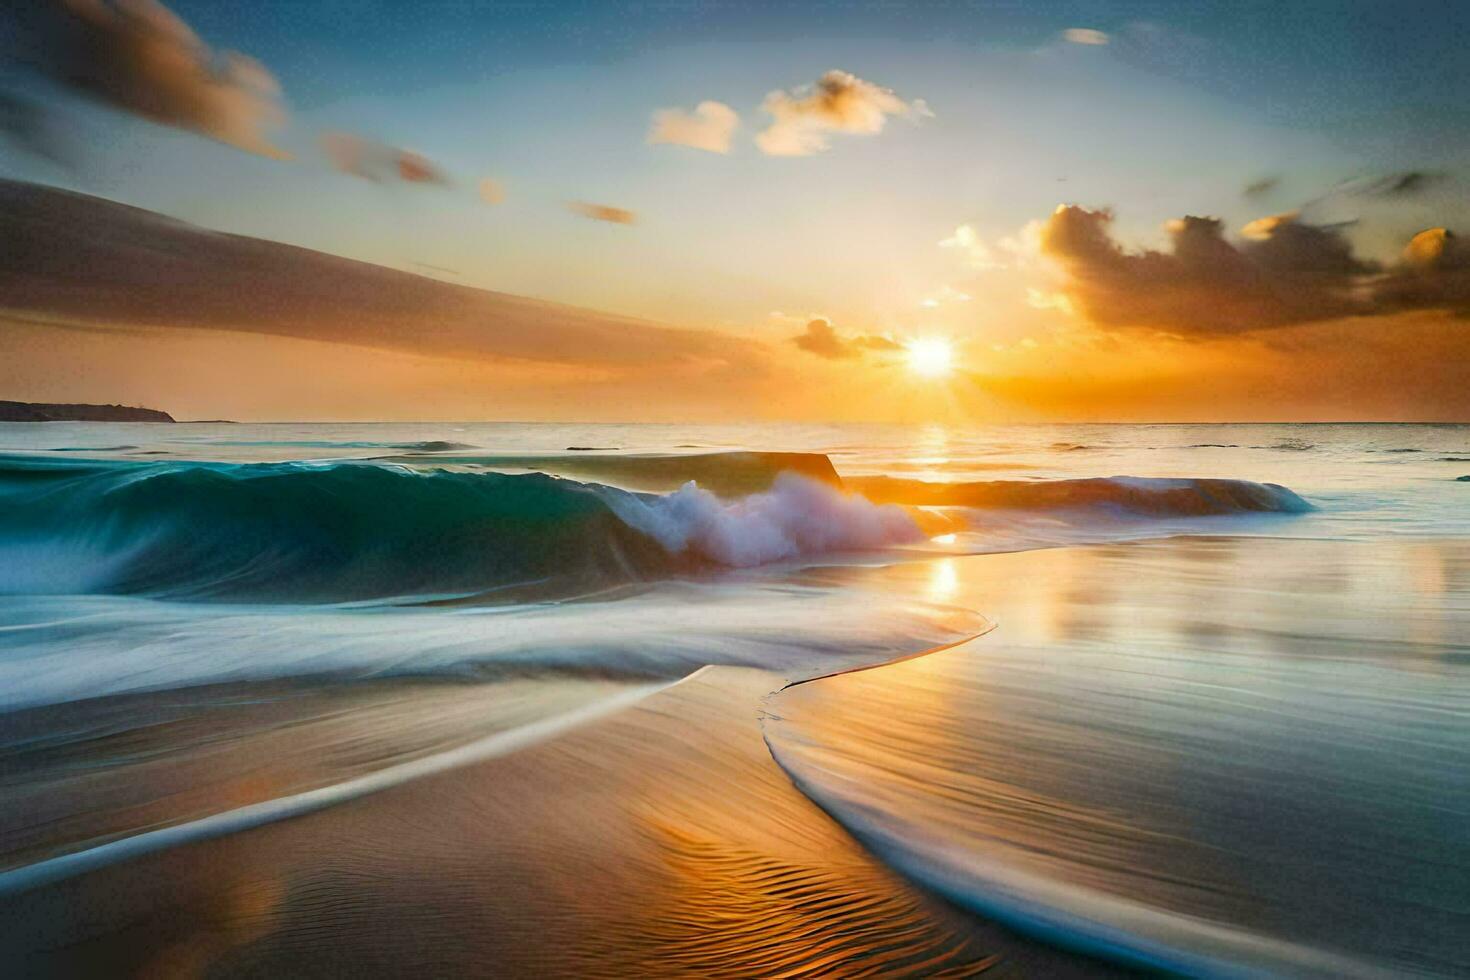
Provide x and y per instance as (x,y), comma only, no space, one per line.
(943,580)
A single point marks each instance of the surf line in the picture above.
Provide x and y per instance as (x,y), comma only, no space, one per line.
(987,626)
(1068,917)
(51,870)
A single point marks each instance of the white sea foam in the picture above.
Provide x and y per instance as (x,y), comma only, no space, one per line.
(63,648)
(797,516)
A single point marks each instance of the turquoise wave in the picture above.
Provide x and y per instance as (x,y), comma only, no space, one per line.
(306,532)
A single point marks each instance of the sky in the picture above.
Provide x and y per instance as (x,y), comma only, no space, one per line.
(819,186)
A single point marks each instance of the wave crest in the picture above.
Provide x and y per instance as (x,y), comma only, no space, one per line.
(348,531)
(796,516)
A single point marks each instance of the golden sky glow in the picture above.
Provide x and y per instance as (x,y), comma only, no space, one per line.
(1059,225)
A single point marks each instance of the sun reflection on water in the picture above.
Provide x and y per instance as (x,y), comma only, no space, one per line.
(944,579)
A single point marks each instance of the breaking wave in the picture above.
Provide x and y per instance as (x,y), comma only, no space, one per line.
(343,531)
(333,531)
(797,516)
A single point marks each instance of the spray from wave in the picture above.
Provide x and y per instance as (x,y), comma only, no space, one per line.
(797,516)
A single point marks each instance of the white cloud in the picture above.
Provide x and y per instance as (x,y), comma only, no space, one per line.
(1085,35)
(1039,299)
(840,102)
(977,254)
(944,295)
(709,127)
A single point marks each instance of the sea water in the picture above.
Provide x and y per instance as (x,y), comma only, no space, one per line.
(1220,725)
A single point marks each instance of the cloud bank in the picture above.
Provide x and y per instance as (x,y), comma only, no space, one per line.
(711,126)
(1284,273)
(83,260)
(802,120)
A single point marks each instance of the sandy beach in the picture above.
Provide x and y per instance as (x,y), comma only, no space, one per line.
(660,841)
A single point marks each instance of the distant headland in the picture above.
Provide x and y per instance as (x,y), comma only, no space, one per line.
(43,412)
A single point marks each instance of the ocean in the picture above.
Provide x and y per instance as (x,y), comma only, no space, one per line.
(1182,697)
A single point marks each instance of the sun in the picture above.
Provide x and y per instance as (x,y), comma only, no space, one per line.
(930,357)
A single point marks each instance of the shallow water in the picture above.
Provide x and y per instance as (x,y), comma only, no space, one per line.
(1207,754)
(1231,693)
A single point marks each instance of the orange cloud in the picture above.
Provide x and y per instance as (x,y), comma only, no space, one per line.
(491,190)
(1406,366)
(822,340)
(603,212)
(1263,228)
(1434,274)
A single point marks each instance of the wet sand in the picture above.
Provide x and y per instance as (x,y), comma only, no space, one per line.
(111,773)
(660,841)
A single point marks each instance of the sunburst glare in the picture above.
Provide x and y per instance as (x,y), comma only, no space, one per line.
(930,357)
